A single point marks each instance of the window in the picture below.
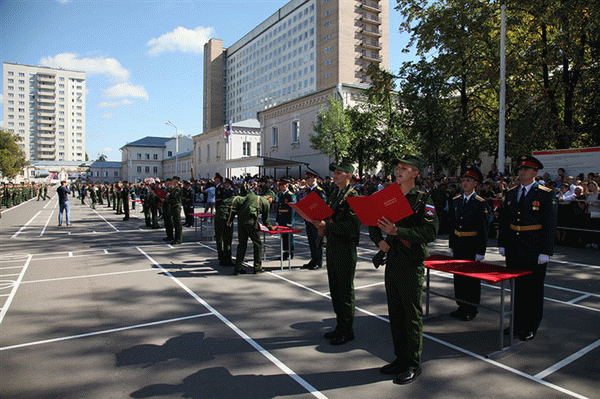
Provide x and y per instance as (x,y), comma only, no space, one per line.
(139,169)
(155,156)
(147,169)
(246,148)
(170,153)
(258,149)
(155,169)
(147,156)
(207,152)
(274,136)
(295,131)
(139,156)
(106,173)
(116,173)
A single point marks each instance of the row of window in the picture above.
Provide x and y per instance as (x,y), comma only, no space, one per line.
(147,169)
(105,173)
(295,136)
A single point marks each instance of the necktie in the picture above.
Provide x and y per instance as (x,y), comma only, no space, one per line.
(523,192)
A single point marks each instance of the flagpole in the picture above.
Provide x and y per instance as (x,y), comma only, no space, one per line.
(502,116)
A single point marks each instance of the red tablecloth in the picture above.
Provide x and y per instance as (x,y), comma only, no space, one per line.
(483,271)
(202,215)
(279,230)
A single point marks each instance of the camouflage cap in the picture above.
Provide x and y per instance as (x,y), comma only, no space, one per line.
(343,166)
(409,159)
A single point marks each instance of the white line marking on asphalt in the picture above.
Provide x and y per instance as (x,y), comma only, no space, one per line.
(87,276)
(14,290)
(581,298)
(459,349)
(26,224)
(109,223)
(154,323)
(15,207)
(46,225)
(244,336)
(570,359)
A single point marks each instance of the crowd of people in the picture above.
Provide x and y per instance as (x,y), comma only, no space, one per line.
(528,213)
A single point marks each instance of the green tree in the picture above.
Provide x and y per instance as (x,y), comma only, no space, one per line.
(333,131)
(12,157)
(101,158)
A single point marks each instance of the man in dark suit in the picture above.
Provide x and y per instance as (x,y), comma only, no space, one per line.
(526,238)
(469,218)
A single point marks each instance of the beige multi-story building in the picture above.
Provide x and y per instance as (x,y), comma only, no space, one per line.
(46,108)
(305,47)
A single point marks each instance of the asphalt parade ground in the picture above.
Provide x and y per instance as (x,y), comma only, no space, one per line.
(104,308)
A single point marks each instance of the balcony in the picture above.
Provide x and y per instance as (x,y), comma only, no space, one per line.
(45,135)
(372,32)
(370,6)
(46,79)
(371,45)
(46,107)
(46,128)
(371,20)
(45,85)
(46,100)
(42,142)
(371,58)
(45,92)
(46,114)
(46,121)
(45,156)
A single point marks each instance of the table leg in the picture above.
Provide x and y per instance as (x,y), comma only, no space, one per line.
(512,312)
(502,312)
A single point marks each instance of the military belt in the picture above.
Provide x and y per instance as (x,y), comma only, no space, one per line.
(531,227)
(283,210)
(465,233)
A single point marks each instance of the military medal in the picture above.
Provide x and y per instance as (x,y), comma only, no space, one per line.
(536,205)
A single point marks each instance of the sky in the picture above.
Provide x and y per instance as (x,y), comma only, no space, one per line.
(143,58)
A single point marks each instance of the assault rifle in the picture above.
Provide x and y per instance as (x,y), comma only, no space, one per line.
(380,257)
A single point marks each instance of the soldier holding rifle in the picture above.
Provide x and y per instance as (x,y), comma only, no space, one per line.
(404,273)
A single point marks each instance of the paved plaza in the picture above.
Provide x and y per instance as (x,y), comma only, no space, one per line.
(103,308)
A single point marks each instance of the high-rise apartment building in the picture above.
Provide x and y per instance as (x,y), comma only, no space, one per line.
(46,108)
(306,46)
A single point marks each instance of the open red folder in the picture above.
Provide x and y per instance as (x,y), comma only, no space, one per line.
(160,193)
(312,207)
(389,202)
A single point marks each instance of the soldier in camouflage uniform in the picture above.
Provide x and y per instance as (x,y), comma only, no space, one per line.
(224,216)
(253,208)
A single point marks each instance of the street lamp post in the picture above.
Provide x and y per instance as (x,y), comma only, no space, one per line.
(176,143)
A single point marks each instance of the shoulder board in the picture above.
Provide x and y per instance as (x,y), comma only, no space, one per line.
(478,198)
(512,188)
(319,188)
(350,192)
(457,197)
(544,188)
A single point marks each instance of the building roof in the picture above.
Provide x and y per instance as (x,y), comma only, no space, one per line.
(149,141)
(180,155)
(105,164)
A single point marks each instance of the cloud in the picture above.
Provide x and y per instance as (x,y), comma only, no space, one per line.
(110,104)
(181,39)
(93,66)
(107,115)
(126,90)
(107,150)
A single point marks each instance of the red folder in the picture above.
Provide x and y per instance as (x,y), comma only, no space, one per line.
(312,207)
(389,202)
(160,193)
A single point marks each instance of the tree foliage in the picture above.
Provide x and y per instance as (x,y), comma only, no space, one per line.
(450,97)
(333,131)
(12,157)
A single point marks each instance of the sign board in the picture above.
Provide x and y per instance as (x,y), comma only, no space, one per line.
(573,161)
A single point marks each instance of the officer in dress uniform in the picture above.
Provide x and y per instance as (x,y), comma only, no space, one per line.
(406,247)
(125,199)
(342,232)
(187,201)
(527,230)
(469,218)
(219,190)
(166,210)
(285,216)
(253,208)
(316,252)
(175,203)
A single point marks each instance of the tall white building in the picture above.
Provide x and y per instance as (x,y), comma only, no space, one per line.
(306,46)
(46,108)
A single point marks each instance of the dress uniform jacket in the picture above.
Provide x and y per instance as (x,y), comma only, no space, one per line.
(404,277)
(469,226)
(342,234)
(316,253)
(286,217)
(527,229)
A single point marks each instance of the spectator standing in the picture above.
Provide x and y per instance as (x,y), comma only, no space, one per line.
(63,203)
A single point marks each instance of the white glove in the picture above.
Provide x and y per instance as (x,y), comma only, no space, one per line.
(502,251)
(543,259)
(479,257)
